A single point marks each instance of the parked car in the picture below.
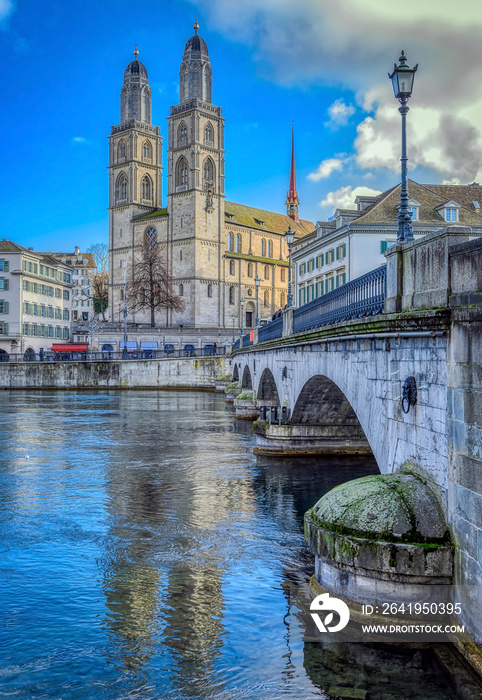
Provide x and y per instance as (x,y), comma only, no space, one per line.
(189,351)
(168,349)
(209,349)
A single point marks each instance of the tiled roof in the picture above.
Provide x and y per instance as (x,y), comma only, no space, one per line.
(384,210)
(273,223)
(7,246)
(72,256)
(151,215)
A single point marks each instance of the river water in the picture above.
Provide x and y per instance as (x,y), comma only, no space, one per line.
(146,552)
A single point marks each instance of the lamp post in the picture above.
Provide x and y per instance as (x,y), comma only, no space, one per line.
(402,81)
(242,316)
(124,353)
(234,316)
(257,282)
(289,237)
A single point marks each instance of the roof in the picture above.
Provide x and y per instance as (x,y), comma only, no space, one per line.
(7,246)
(151,215)
(197,44)
(79,259)
(135,67)
(243,215)
(430,197)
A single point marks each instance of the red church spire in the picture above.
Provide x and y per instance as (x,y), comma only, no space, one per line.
(292,201)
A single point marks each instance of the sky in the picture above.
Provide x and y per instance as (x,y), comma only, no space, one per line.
(318,63)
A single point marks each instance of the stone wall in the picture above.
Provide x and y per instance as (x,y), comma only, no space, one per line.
(136,374)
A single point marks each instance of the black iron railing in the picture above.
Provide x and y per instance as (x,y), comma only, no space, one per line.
(363,296)
(271,330)
(246,340)
(132,354)
(237,344)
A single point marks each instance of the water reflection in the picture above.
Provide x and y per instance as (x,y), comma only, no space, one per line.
(147,552)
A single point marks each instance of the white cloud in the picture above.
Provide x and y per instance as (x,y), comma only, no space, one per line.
(326,168)
(353,45)
(344,198)
(79,139)
(6,9)
(339,114)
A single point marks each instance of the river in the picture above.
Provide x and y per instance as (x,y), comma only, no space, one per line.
(146,552)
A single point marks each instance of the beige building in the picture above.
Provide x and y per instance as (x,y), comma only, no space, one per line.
(35,300)
(214,249)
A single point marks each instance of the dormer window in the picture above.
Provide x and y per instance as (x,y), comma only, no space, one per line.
(451,214)
(449,211)
(230,216)
(415,213)
(259,222)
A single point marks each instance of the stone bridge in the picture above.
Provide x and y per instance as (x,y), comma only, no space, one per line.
(339,388)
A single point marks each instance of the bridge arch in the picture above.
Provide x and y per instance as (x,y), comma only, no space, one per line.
(246,382)
(267,390)
(235,372)
(321,401)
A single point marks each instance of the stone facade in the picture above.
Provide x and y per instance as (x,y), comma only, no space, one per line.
(214,249)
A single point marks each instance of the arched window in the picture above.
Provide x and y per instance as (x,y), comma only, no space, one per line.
(210,290)
(230,241)
(146,150)
(266,272)
(232,267)
(181,290)
(270,249)
(283,274)
(208,174)
(282,300)
(263,248)
(208,134)
(121,152)
(181,172)
(182,134)
(266,298)
(250,269)
(231,295)
(146,187)
(180,254)
(151,237)
(238,243)
(121,189)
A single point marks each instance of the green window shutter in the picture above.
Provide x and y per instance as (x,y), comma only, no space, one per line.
(343,278)
(5,284)
(322,259)
(343,250)
(5,307)
(6,265)
(338,253)
(383,246)
(299,297)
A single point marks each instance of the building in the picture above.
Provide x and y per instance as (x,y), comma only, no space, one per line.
(355,240)
(214,249)
(35,300)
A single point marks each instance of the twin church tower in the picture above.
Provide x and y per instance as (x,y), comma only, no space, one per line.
(213,249)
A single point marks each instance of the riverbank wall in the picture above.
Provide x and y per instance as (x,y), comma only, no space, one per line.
(188,373)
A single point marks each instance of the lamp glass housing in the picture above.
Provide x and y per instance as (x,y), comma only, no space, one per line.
(290,236)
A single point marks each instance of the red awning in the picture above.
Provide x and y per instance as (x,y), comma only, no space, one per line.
(79,347)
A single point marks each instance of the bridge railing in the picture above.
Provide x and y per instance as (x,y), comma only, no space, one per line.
(247,340)
(363,296)
(271,330)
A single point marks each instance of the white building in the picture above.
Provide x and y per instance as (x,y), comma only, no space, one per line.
(35,301)
(354,241)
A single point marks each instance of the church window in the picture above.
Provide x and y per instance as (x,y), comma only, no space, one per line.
(232,267)
(122,149)
(231,295)
(146,187)
(250,269)
(181,222)
(208,174)
(282,299)
(180,254)
(266,298)
(238,243)
(283,274)
(182,134)
(181,290)
(151,238)
(181,172)
(121,189)
(263,248)
(266,272)
(230,241)
(209,134)
(146,150)
(210,290)
(270,249)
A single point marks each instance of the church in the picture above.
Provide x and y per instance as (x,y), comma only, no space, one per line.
(214,249)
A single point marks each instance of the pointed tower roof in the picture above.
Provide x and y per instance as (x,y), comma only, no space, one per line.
(135,68)
(292,201)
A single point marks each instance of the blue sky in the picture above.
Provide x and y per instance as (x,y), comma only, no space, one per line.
(322,64)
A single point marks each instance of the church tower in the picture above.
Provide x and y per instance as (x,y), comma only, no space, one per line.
(135,175)
(292,201)
(196,191)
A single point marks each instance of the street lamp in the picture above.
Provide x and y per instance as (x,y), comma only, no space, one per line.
(234,316)
(257,282)
(402,81)
(242,316)
(124,354)
(289,237)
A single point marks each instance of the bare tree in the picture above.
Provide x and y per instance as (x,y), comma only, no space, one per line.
(100,251)
(100,281)
(151,286)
